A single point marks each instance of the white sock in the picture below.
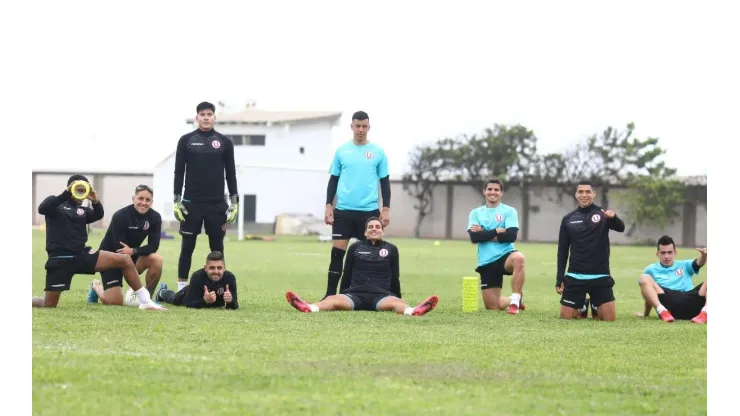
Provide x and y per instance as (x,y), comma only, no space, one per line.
(515,298)
(594,308)
(313,307)
(583,309)
(660,308)
(181,285)
(144,295)
(704,309)
(408,311)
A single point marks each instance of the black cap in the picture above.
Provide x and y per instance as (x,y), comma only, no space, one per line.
(76,178)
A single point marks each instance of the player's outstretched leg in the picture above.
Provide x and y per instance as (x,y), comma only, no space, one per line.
(153,264)
(515,265)
(701,318)
(331,303)
(108,260)
(186,257)
(650,291)
(110,296)
(394,304)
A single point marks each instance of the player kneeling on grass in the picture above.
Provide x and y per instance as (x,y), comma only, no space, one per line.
(371,281)
(66,239)
(667,285)
(128,228)
(210,287)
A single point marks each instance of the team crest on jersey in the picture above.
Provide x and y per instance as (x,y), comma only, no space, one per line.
(595,218)
(369,155)
(216,144)
(499,217)
(220,291)
(383,252)
(146,225)
(80,211)
(679,272)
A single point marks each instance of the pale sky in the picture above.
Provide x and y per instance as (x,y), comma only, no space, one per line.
(129,77)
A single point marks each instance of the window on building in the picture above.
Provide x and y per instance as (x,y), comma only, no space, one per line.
(255,140)
(247,140)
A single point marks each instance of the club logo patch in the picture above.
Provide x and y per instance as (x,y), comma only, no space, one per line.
(369,155)
(679,272)
(499,217)
(80,211)
(146,225)
(220,291)
(596,218)
(216,144)
(383,252)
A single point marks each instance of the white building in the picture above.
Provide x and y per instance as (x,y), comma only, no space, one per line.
(282,162)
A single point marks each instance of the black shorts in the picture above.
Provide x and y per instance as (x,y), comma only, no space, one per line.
(365,299)
(492,274)
(351,224)
(600,291)
(114,277)
(59,270)
(208,215)
(683,305)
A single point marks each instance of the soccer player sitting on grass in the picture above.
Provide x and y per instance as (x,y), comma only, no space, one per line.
(210,287)
(667,285)
(371,281)
(128,228)
(66,239)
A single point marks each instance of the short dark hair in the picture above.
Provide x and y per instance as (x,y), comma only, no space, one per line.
(215,256)
(360,115)
(143,187)
(494,180)
(373,219)
(584,182)
(205,105)
(666,241)
(74,178)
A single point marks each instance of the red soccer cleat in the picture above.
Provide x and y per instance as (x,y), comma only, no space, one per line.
(425,306)
(513,310)
(297,302)
(700,319)
(666,316)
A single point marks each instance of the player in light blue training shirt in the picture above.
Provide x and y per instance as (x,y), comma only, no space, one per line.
(358,169)
(667,285)
(494,227)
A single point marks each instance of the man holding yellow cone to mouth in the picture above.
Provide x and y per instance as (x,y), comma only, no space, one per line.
(66,244)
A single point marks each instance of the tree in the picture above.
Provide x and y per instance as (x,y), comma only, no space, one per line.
(612,158)
(506,152)
(426,164)
(652,200)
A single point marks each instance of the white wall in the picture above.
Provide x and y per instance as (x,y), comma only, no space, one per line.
(283,147)
(278,190)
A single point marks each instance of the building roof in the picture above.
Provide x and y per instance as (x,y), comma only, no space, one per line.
(258,116)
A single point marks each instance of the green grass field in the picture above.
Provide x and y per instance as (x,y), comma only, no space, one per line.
(267,358)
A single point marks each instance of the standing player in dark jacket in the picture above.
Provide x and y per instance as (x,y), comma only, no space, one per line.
(66,239)
(201,159)
(210,287)
(584,235)
(372,280)
(128,229)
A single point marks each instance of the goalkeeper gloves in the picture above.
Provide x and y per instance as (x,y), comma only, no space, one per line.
(180,211)
(233,209)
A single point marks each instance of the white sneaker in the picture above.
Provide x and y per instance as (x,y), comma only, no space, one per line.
(151,306)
